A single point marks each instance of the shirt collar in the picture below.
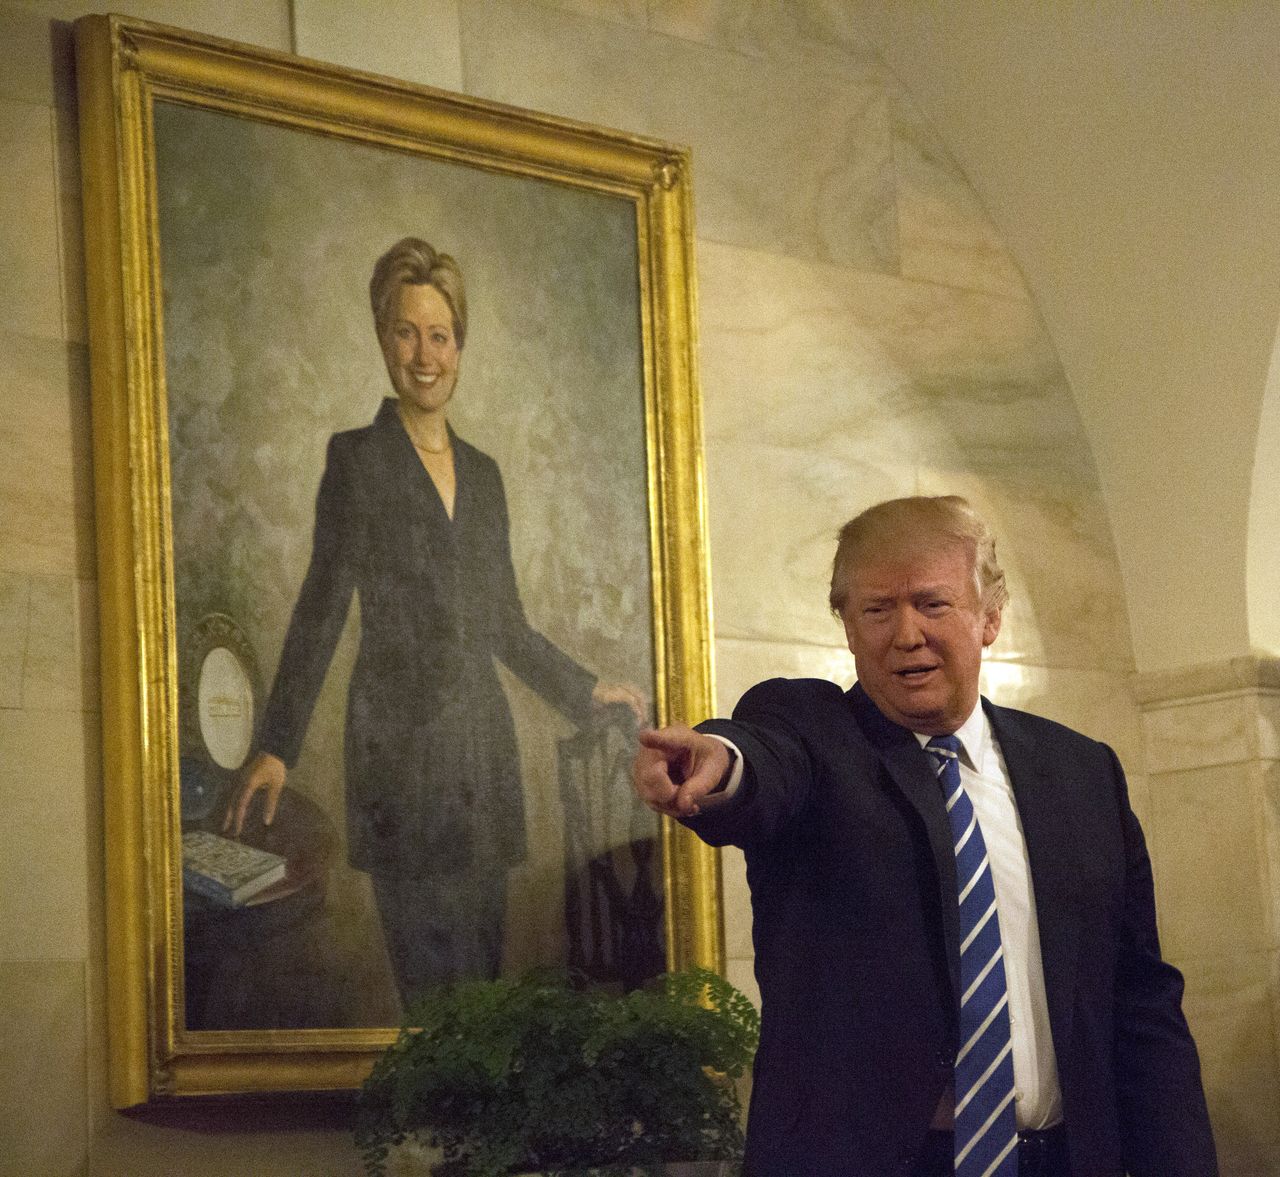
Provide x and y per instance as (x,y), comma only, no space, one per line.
(974,736)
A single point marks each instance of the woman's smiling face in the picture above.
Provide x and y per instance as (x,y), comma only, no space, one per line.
(421,348)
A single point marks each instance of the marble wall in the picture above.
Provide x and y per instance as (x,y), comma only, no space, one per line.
(863,334)
(1212,741)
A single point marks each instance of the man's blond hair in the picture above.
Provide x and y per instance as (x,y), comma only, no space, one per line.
(909,524)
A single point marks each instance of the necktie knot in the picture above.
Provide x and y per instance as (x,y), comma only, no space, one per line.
(944,747)
(945,753)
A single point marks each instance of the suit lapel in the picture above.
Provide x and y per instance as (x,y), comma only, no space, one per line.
(411,475)
(911,771)
(423,534)
(1045,827)
(1047,830)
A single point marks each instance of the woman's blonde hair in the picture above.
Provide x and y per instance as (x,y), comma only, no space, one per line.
(413,262)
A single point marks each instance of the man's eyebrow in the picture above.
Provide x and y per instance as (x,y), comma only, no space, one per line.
(925,590)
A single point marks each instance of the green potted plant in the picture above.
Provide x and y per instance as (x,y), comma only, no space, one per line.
(538,1075)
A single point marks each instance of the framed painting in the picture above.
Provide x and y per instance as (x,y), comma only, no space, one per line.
(401,536)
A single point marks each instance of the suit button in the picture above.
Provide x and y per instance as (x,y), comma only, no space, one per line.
(945,1061)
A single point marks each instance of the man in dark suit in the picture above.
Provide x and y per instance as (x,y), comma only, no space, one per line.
(954,922)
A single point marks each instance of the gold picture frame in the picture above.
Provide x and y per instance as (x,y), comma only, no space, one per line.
(153,101)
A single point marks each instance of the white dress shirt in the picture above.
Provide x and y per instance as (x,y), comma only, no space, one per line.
(986,780)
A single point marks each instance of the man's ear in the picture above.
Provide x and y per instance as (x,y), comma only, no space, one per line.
(991,626)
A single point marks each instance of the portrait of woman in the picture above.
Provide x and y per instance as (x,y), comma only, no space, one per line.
(411,523)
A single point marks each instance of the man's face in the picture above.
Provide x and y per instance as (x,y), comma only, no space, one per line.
(917,629)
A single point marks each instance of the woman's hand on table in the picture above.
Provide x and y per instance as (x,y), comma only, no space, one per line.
(263,772)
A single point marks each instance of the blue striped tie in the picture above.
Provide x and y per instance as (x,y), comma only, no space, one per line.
(986,1129)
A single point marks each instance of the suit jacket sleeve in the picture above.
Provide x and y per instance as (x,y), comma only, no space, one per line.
(319,615)
(777,770)
(1164,1120)
(537,660)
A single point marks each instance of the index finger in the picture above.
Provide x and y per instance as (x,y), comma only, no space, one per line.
(673,738)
